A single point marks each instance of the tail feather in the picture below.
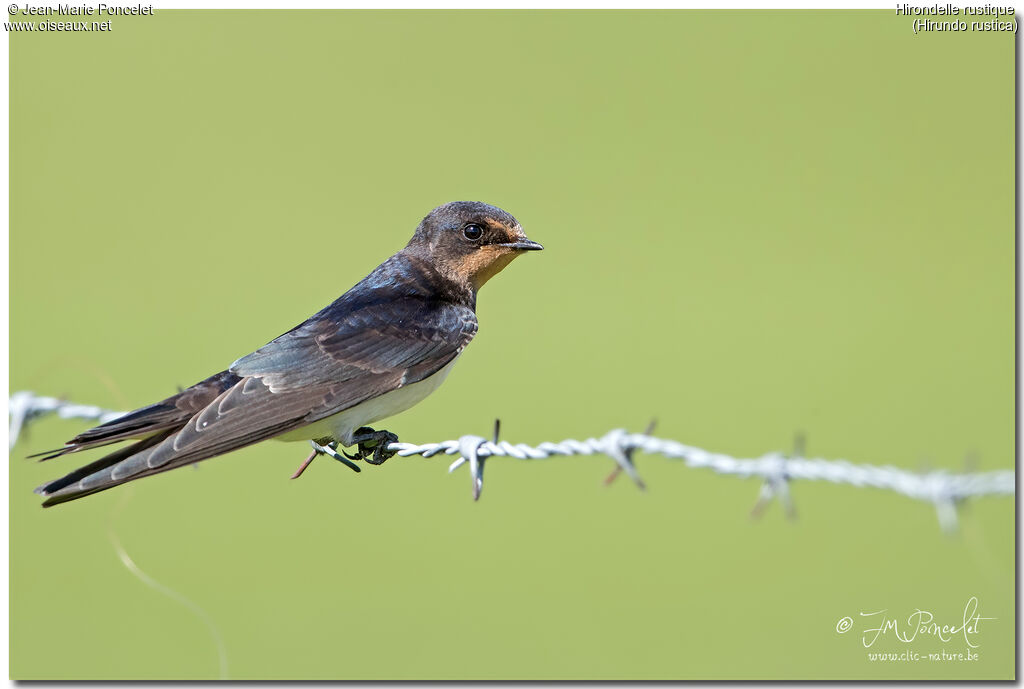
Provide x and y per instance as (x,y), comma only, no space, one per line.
(169,414)
(246,413)
(116,468)
(58,499)
(136,425)
(145,458)
(101,463)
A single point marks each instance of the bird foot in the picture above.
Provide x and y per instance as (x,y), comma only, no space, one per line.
(372,445)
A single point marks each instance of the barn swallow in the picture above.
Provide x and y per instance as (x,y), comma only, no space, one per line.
(377,350)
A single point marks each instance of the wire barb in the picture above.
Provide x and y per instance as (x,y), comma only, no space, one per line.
(627,459)
(944,490)
(777,485)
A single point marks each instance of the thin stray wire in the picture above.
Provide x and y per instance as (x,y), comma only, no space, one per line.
(129,563)
(944,490)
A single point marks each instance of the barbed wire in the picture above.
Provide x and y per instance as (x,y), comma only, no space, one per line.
(944,490)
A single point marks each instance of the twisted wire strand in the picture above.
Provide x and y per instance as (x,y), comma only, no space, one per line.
(941,488)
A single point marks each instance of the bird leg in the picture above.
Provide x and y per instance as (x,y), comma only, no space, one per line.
(373,445)
(329,448)
(306,463)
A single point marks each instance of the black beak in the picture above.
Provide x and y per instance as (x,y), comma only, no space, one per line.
(524,245)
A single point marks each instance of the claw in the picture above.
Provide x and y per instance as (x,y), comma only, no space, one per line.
(381,453)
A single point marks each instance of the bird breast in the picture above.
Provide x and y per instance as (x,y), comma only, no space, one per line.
(342,425)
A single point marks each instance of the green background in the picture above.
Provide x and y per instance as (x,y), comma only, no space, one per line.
(757,223)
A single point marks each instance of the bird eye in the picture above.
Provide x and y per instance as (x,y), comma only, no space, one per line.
(473,231)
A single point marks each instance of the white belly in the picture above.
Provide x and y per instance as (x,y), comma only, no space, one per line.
(343,424)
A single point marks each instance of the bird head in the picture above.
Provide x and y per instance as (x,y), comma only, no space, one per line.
(470,242)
